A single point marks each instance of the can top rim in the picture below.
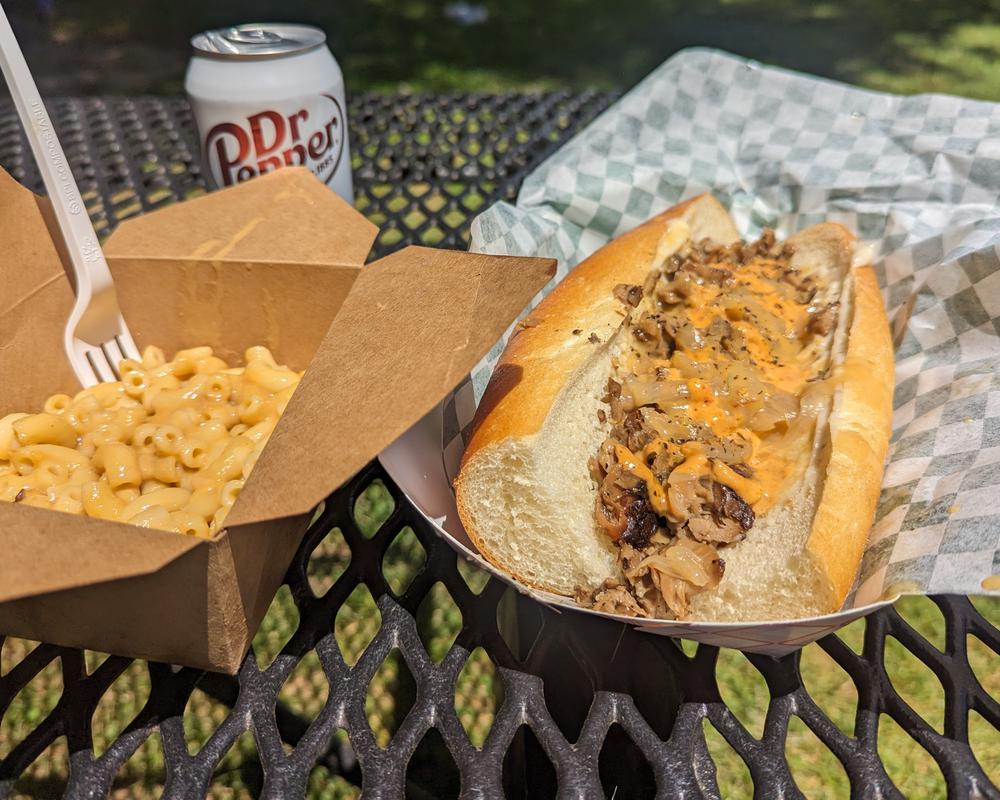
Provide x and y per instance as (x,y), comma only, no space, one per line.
(257,40)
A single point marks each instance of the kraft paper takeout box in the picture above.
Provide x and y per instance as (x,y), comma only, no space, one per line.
(274,261)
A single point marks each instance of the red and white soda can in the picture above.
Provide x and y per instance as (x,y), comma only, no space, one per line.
(269,96)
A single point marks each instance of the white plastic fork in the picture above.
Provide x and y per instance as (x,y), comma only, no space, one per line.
(96,337)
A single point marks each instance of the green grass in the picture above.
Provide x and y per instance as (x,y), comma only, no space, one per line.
(815,769)
(478,692)
(963,61)
(104,46)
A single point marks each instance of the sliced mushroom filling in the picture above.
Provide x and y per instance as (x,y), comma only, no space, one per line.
(707,408)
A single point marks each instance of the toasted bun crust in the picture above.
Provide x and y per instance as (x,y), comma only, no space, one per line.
(524,492)
(544,353)
(860,425)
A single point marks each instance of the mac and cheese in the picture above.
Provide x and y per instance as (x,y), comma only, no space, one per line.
(168,446)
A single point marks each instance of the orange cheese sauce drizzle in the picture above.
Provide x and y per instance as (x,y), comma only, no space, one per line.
(716,384)
(780,352)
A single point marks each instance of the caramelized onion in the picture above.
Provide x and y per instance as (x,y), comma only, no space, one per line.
(683,495)
(742,384)
(689,561)
(813,401)
(689,368)
(814,398)
(780,408)
(735,449)
(676,289)
(675,592)
(689,337)
(723,531)
(697,432)
(668,427)
(647,391)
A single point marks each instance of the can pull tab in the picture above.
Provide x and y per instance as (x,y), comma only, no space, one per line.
(248,35)
(258,40)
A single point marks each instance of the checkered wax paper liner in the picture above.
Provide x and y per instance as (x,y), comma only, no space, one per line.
(916,177)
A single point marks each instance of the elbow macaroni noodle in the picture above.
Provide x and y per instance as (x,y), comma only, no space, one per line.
(168,446)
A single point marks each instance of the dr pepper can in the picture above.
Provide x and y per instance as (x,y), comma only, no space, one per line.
(268,96)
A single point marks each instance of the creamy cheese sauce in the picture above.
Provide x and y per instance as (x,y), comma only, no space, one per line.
(713,398)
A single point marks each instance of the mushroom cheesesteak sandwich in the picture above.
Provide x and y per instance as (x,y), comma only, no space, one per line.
(689,426)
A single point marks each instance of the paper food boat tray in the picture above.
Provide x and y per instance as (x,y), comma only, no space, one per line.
(415,462)
(914,177)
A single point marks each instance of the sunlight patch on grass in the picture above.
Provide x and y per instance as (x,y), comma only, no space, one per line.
(963,61)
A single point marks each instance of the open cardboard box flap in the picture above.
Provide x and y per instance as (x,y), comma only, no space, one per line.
(264,221)
(273,261)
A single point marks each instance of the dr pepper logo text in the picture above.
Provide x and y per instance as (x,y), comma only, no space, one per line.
(311,137)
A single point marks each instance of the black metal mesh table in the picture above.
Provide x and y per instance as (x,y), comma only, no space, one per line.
(588,708)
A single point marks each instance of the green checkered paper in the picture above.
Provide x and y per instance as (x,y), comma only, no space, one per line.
(916,178)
